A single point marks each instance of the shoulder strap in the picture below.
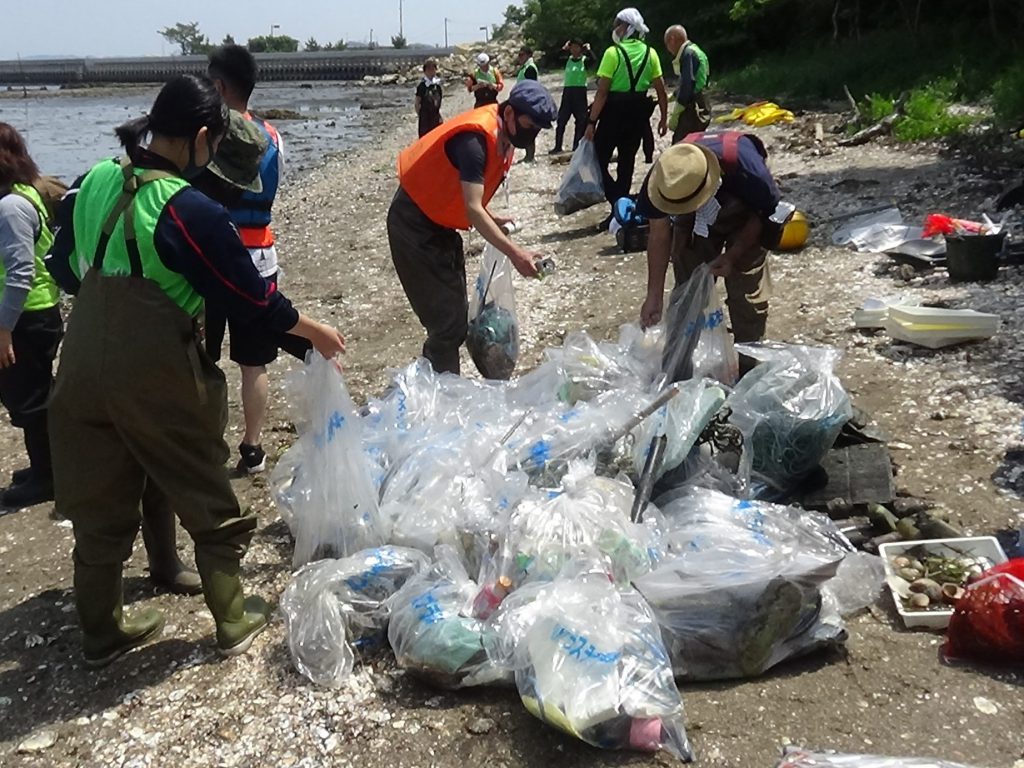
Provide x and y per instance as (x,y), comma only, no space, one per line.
(131,183)
(731,148)
(634,78)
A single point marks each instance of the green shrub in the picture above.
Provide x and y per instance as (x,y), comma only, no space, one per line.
(1008,96)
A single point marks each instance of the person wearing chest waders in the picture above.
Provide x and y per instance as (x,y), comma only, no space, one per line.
(30,322)
(621,112)
(136,398)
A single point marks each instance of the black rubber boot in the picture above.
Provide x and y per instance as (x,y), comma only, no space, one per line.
(161,539)
(33,485)
(106,634)
(239,619)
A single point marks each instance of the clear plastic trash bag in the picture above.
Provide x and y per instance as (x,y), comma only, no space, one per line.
(797,757)
(581,185)
(589,660)
(334,507)
(332,607)
(790,408)
(431,632)
(587,521)
(493,336)
(740,587)
(697,339)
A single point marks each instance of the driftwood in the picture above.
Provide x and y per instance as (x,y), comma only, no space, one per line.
(853,104)
(882,128)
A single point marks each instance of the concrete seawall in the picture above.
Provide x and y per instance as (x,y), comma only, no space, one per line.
(325,65)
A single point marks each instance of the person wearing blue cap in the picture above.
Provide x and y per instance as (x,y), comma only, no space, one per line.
(446,181)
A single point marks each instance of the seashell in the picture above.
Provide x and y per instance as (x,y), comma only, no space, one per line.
(952,593)
(901,561)
(917,565)
(910,574)
(919,600)
(927,587)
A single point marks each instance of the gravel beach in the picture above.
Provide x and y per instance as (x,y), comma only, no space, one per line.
(954,415)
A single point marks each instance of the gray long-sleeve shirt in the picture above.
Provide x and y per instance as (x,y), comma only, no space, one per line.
(19,228)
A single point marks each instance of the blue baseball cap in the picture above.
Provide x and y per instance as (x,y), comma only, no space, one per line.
(530,98)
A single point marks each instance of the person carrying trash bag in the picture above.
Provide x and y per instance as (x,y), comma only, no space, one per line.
(710,199)
(136,398)
(621,112)
(446,181)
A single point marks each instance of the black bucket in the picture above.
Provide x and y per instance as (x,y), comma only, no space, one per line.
(973,257)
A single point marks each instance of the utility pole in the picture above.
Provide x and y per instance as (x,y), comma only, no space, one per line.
(401,25)
(446,20)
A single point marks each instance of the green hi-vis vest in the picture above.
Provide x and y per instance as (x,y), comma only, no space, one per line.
(116,214)
(576,72)
(485,77)
(43,293)
(703,67)
(525,68)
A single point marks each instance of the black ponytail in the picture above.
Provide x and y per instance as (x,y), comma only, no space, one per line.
(185,104)
(130,134)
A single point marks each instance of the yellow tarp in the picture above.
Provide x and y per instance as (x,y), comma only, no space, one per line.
(758,114)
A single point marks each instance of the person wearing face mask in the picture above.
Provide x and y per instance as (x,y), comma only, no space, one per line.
(137,400)
(708,200)
(446,182)
(691,112)
(621,112)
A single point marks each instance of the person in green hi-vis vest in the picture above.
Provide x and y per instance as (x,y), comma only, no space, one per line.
(137,399)
(527,71)
(30,321)
(574,94)
(691,112)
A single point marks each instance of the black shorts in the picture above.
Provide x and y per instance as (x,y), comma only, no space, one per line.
(251,344)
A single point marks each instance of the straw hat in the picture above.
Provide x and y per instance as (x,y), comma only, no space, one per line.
(685,177)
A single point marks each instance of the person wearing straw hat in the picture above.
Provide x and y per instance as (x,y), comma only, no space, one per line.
(708,200)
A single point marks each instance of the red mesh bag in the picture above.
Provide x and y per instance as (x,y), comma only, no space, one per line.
(988,624)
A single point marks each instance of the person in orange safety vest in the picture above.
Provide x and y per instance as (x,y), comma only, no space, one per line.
(446,181)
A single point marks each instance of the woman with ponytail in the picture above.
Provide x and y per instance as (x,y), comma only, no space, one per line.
(137,401)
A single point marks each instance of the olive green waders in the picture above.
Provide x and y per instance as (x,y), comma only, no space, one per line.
(136,397)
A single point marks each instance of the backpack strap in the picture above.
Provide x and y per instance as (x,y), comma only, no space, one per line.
(42,222)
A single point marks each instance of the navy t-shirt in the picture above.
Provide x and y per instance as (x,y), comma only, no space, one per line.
(750,181)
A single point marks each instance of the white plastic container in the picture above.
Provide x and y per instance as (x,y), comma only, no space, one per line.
(933,327)
(977,546)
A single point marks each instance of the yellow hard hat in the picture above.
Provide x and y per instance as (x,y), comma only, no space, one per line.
(795,233)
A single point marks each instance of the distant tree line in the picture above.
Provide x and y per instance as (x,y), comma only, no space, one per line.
(191,41)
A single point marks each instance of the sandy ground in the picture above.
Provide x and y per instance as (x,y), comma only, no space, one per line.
(954,415)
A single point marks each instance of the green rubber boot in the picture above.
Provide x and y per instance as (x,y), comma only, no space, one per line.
(107,634)
(160,537)
(239,619)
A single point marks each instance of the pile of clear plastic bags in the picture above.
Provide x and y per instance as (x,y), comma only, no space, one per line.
(498,531)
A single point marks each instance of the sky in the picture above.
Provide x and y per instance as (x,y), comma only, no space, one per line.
(130,27)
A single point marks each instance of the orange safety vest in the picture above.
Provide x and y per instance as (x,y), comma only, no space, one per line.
(429,178)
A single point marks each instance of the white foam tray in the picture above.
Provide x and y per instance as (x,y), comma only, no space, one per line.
(976,546)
